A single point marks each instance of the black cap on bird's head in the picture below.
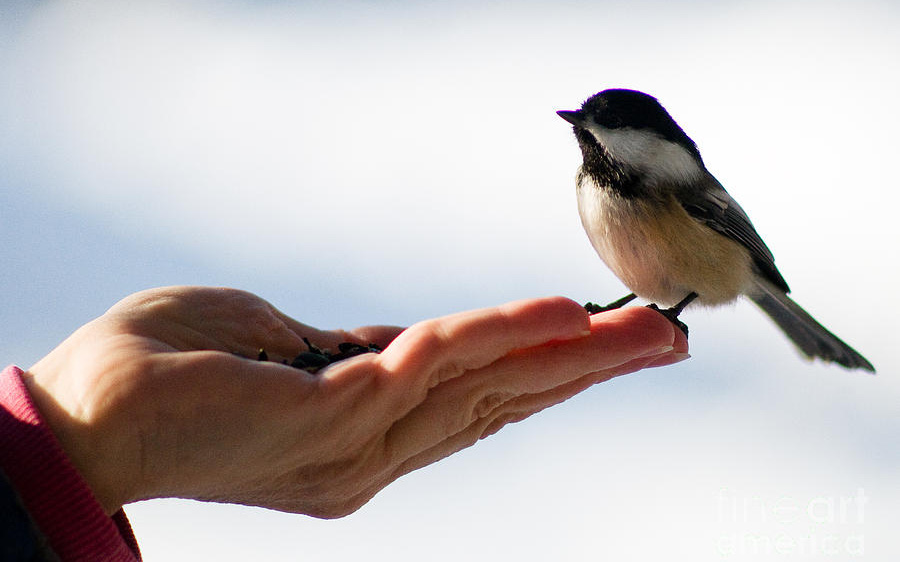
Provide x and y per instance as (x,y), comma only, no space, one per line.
(629,109)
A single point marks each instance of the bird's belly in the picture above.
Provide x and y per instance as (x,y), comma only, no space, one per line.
(660,252)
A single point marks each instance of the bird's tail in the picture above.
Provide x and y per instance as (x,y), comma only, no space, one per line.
(813,339)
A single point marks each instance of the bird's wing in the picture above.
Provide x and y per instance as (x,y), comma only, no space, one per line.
(714,207)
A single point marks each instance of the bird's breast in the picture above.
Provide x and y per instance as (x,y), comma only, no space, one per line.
(659,251)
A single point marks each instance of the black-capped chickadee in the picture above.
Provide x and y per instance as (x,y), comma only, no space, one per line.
(669,230)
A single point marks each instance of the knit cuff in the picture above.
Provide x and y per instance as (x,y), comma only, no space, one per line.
(52,491)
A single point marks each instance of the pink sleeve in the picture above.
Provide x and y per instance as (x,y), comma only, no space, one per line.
(52,491)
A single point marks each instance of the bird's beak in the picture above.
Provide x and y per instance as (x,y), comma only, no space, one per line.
(574,117)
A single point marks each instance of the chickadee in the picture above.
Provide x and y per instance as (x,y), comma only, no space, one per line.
(669,230)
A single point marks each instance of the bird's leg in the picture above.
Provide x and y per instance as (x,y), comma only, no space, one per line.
(595,308)
(672,313)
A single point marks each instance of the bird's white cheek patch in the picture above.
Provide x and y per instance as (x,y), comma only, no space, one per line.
(647,153)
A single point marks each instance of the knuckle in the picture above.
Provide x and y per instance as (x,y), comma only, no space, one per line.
(430,337)
(446,371)
(424,351)
(501,420)
(487,404)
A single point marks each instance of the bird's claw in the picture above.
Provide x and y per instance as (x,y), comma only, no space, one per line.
(672,315)
(593,308)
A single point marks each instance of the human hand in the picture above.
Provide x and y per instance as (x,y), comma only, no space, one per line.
(153,399)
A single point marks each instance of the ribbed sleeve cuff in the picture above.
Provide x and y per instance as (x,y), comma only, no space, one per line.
(56,496)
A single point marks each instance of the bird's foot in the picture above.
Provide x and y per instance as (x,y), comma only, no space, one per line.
(672,316)
(596,308)
(672,313)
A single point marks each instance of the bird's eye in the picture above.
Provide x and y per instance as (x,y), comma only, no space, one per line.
(611,121)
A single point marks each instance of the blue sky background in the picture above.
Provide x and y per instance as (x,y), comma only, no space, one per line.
(365,162)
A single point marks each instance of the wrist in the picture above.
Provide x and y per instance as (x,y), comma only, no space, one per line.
(66,405)
(59,500)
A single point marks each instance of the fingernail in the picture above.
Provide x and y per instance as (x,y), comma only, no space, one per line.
(656,351)
(670,359)
(575,336)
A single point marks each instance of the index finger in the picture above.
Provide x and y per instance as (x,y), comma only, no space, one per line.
(436,350)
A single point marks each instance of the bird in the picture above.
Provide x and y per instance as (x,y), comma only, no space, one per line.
(669,230)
